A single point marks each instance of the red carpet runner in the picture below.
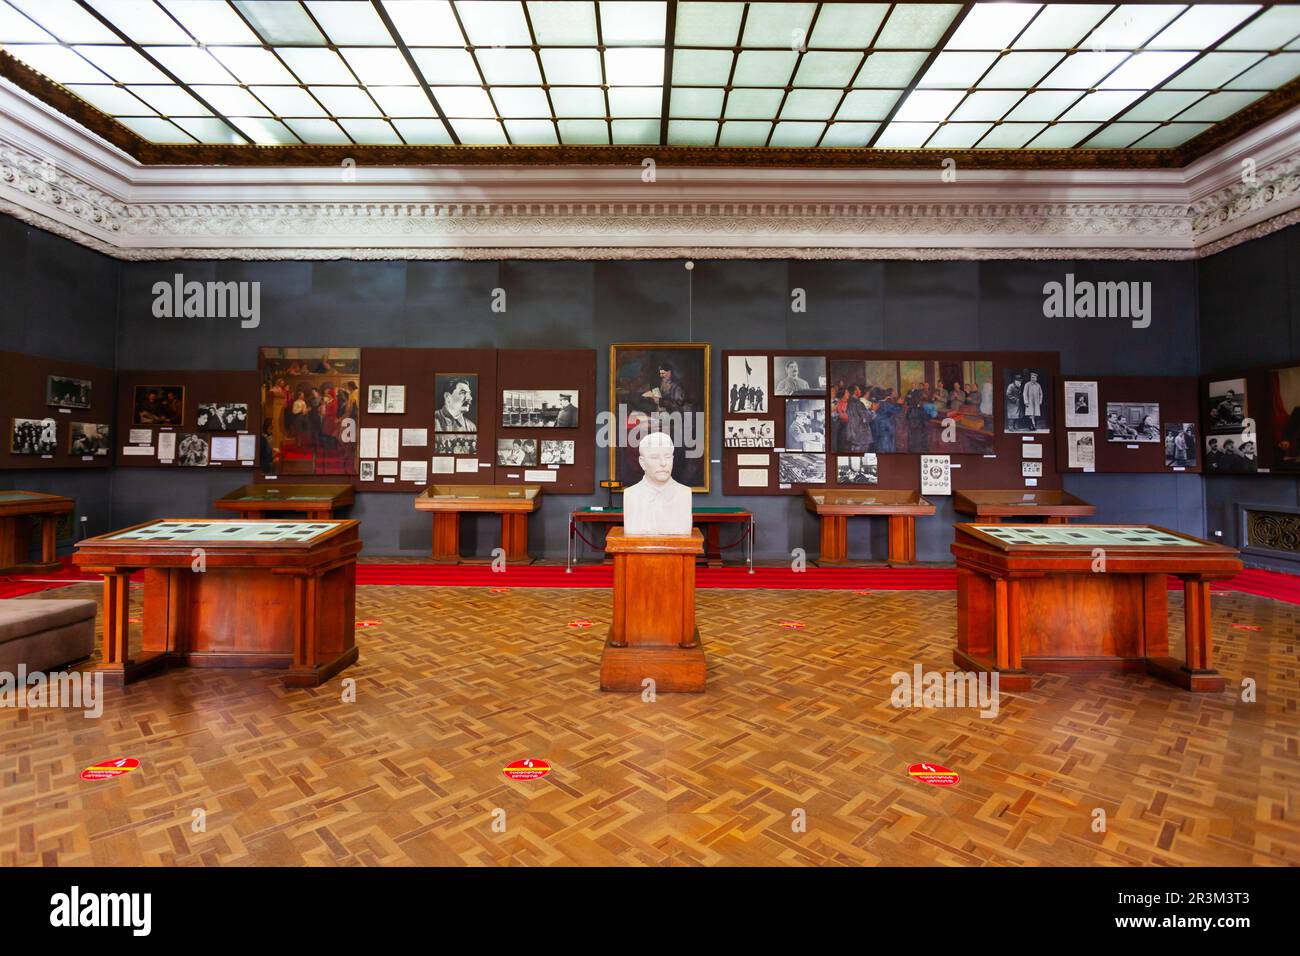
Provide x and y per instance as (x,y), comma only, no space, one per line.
(1269,584)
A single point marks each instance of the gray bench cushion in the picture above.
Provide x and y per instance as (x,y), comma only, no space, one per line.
(22,617)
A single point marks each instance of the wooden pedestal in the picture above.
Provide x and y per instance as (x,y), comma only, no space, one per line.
(654,633)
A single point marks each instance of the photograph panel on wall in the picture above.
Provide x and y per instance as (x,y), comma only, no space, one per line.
(310,410)
(799,375)
(64,392)
(1180,445)
(1081,405)
(856,469)
(455,445)
(192,451)
(223,417)
(85,438)
(799,468)
(1228,409)
(747,388)
(660,387)
(33,436)
(1231,454)
(159,405)
(1026,391)
(557,451)
(1286,417)
(805,424)
(539,408)
(516,451)
(1133,422)
(456,396)
(748,433)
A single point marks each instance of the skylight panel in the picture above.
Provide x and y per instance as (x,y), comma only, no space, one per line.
(849,135)
(479,132)
(123,64)
(1270,74)
(1267,31)
(317,65)
(252,64)
(324,132)
(764,68)
(827,69)
(280,22)
(494,22)
(584,132)
(156,130)
(1201,26)
(635,100)
(232,100)
(708,24)
(1019,70)
(1044,105)
(210,22)
(16,28)
(113,100)
(1167,137)
(447,66)
(698,67)
(1010,135)
(986,105)
(906,135)
(797,134)
(1060,26)
(1213,70)
(889,70)
(635,132)
(924,105)
(1102,105)
(580,100)
(634,66)
(142,20)
(210,130)
(190,64)
(59,64)
(696,103)
(287,100)
(868,104)
(531,132)
(578,67)
(522,102)
(349,21)
(1119,135)
(692,132)
(1163,105)
(780,25)
(67,21)
(958,135)
(1129,26)
(382,67)
(423,132)
(1145,71)
(509,67)
(753,104)
(957,70)
(346,101)
(810,104)
(425,22)
(744,133)
(991,26)
(847,26)
(633,23)
(1219,106)
(1080,71)
(565,23)
(916,26)
(1062,135)
(466,102)
(371,131)
(171,100)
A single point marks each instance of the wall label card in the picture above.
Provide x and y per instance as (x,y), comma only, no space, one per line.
(140,436)
(415,437)
(388,444)
(537,475)
(1031,451)
(414,470)
(469,465)
(369,443)
(442,465)
(1031,469)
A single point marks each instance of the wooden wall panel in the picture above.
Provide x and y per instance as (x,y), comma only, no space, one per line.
(201,387)
(1177,398)
(24,378)
(552,369)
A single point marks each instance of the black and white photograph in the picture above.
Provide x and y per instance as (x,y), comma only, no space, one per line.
(856,469)
(557,451)
(1133,422)
(805,425)
(747,389)
(87,439)
(1025,391)
(748,433)
(455,396)
(1080,404)
(1180,445)
(64,392)
(375,396)
(795,468)
(1231,454)
(455,445)
(1227,408)
(799,375)
(223,417)
(192,451)
(367,472)
(517,451)
(33,436)
(539,408)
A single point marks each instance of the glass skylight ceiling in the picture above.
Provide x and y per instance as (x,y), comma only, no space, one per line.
(539,72)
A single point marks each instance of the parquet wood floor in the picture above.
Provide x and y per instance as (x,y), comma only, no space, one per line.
(454,684)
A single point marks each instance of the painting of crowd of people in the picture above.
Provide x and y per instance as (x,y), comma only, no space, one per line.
(911,406)
(310,410)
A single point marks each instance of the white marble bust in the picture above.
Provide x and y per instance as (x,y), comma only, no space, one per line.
(657,504)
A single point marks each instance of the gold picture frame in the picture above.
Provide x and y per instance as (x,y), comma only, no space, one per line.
(634,380)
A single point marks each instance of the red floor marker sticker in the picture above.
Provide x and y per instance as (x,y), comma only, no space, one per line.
(109,769)
(369,623)
(581,622)
(527,770)
(792,624)
(1247,627)
(934,774)
(498,590)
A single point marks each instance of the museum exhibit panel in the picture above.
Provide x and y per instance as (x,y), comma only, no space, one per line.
(731,433)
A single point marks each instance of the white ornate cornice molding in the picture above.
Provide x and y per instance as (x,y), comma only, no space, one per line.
(56,176)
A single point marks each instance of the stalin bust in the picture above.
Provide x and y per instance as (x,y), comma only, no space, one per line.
(657,505)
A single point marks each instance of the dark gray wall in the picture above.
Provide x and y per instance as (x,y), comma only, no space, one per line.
(1250,315)
(731,304)
(58,299)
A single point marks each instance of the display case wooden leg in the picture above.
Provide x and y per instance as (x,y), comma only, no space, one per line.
(713,545)
(118,667)
(1197,673)
(834,540)
(514,537)
(446,537)
(902,539)
(49,542)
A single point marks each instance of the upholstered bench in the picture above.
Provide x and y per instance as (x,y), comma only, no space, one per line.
(45,634)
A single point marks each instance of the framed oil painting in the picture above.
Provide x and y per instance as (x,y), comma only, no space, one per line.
(159,405)
(1286,418)
(310,400)
(660,387)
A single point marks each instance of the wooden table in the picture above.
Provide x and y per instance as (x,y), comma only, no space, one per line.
(229,593)
(312,502)
(836,507)
(448,502)
(15,508)
(708,520)
(991,506)
(1033,598)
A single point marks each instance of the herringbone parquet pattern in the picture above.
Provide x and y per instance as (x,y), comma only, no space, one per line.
(453,684)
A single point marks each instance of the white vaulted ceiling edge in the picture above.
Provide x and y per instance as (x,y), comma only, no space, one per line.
(57,176)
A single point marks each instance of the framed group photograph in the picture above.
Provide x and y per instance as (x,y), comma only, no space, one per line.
(222,417)
(455,444)
(557,451)
(1233,454)
(747,389)
(660,387)
(1180,445)
(1227,407)
(1133,422)
(517,452)
(1025,391)
(64,392)
(33,436)
(856,469)
(159,405)
(456,397)
(748,433)
(539,408)
(192,451)
(310,410)
(87,439)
